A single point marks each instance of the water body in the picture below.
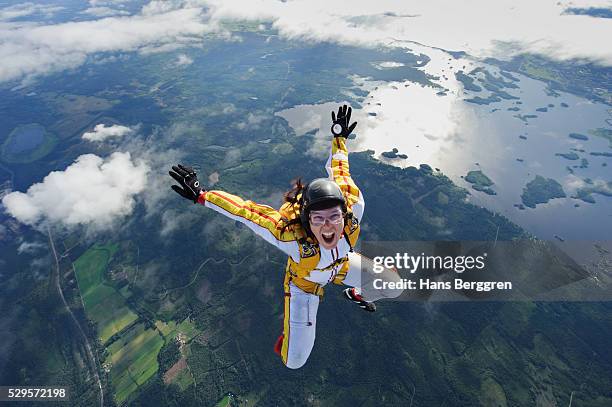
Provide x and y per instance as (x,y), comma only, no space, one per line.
(438,127)
(25,138)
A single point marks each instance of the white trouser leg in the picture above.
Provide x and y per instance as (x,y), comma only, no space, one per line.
(361,275)
(302,326)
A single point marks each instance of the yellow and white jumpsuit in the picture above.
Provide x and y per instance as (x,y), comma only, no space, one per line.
(309,266)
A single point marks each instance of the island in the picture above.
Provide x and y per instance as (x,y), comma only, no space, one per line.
(578,136)
(541,190)
(568,156)
(467,81)
(525,117)
(604,154)
(480,182)
(393,154)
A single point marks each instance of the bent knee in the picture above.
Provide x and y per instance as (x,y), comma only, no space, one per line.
(295,362)
(392,276)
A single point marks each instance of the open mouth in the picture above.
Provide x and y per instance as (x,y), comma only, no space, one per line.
(328,237)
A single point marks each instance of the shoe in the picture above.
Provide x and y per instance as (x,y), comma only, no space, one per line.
(352,295)
(278,345)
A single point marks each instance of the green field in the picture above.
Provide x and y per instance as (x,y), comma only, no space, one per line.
(171,329)
(133,355)
(224,402)
(103,304)
(133,359)
(183,380)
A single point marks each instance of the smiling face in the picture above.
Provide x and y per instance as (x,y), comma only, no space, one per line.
(324,227)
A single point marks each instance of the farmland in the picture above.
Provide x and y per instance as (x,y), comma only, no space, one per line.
(103,304)
(133,360)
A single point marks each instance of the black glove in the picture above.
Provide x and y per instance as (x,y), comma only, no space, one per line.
(186,176)
(341,127)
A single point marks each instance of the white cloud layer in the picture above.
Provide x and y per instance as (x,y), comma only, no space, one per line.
(183,60)
(482,28)
(26,9)
(95,3)
(93,192)
(30,247)
(104,11)
(101,132)
(29,50)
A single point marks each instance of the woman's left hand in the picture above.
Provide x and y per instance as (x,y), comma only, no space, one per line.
(340,126)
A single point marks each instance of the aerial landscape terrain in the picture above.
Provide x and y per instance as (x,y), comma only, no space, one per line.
(114,287)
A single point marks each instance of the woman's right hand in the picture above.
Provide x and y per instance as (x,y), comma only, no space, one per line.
(190,186)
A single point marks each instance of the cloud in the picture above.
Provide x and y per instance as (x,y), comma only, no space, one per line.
(154,150)
(252,121)
(93,191)
(173,221)
(104,11)
(481,28)
(213,178)
(233,156)
(30,50)
(30,247)
(183,60)
(26,9)
(388,64)
(574,184)
(95,3)
(229,108)
(101,132)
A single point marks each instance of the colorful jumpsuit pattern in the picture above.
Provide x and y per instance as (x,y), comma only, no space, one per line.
(309,266)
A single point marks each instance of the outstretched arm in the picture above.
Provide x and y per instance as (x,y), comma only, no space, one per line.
(337,164)
(264,220)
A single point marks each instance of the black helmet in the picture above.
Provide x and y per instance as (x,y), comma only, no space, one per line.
(320,193)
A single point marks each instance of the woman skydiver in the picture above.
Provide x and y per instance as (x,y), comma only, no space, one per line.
(317,227)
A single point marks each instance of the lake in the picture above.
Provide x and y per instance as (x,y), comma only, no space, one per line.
(24,138)
(436,126)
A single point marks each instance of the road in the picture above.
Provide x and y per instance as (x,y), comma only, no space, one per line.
(90,354)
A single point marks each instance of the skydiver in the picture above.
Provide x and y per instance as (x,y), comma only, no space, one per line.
(317,227)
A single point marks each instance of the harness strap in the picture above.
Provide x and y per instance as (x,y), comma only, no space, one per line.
(307,286)
(348,241)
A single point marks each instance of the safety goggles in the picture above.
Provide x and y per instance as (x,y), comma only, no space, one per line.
(319,220)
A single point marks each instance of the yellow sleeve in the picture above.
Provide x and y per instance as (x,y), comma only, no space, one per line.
(264,220)
(338,170)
